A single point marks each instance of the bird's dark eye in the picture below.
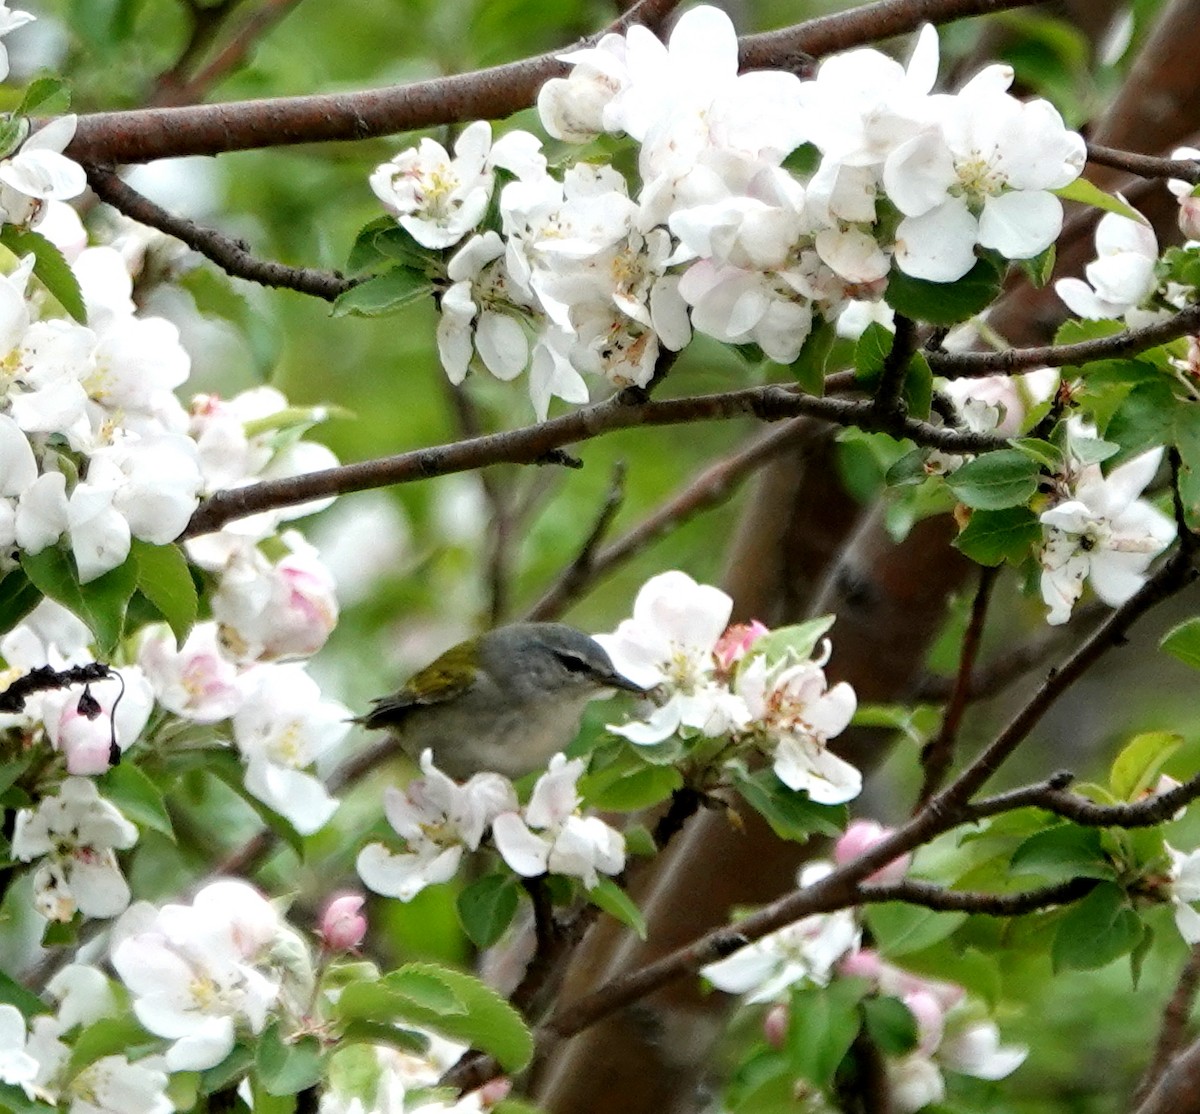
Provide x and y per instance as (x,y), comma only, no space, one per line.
(572,664)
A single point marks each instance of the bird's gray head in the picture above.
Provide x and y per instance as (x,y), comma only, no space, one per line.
(549,658)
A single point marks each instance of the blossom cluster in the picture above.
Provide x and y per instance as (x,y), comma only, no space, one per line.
(713,684)
(595,274)
(439,820)
(816,950)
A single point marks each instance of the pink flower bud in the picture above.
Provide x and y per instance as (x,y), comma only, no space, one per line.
(930,1018)
(862,964)
(733,644)
(494,1091)
(1189,216)
(858,839)
(342,924)
(775,1026)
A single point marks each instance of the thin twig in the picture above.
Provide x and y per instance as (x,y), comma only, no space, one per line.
(231,55)
(206,24)
(961,365)
(913,891)
(1173,1030)
(712,488)
(583,569)
(1146,166)
(232,256)
(938,754)
(889,401)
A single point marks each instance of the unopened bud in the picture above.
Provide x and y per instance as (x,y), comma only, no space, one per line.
(775,1026)
(1189,216)
(858,839)
(343,925)
(494,1091)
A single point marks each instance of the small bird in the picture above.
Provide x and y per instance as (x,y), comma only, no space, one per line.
(505,701)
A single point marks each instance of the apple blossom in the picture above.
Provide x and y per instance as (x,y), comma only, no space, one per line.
(438,819)
(1185,194)
(17,1066)
(806,951)
(794,712)
(548,836)
(343,925)
(1100,530)
(281,728)
(40,172)
(87,739)
(198,973)
(1185,892)
(77,834)
(1121,276)
(670,642)
(858,839)
(196,681)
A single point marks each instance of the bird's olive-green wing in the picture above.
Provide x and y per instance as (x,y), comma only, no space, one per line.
(442,680)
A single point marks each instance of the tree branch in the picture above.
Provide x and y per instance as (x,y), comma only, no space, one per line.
(913,891)
(714,486)
(155,133)
(232,256)
(938,754)
(1173,1029)
(960,365)
(1147,166)
(537,443)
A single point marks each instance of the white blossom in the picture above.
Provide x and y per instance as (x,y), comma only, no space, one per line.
(196,681)
(281,728)
(77,834)
(1100,531)
(549,836)
(438,819)
(1121,276)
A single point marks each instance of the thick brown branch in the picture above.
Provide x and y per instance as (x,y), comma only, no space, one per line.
(232,256)
(138,136)
(537,444)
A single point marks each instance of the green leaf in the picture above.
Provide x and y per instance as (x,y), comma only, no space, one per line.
(799,640)
(1136,769)
(1075,332)
(1182,642)
(890,1025)
(993,537)
(944,303)
(128,787)
(996,481)
(870,353)
(486,908)
(14,994)
(446,1001)
(386,293)
(1089,194)
(14,130)
(227,767)
(45,96)
(1100,928)
(18,597)
(808,369)
(285,1067)
(14,1101)
(789,812)
(49,266)
(900,929)
(822,1025)
(1040,268)
(1063,852)
(1046,454)
(607,895)
(110,1036)
(101,603)
(164,578)
(632,790)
